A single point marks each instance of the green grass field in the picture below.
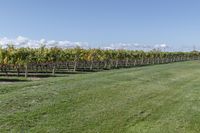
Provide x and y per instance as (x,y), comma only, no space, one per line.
(151,99)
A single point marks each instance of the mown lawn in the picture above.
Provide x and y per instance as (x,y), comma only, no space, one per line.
(151,99)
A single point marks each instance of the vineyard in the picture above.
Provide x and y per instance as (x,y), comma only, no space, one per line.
(52,60)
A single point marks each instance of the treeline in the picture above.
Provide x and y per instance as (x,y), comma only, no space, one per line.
(24,60)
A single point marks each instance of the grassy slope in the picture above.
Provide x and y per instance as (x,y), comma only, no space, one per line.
(152,99)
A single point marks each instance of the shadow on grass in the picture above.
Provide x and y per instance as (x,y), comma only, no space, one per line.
(12,80)
(42,74)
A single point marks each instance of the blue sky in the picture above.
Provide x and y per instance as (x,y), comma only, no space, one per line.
(103,22)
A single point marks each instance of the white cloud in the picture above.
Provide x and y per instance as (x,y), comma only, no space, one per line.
(163,45)
(134,46)
(21,41)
